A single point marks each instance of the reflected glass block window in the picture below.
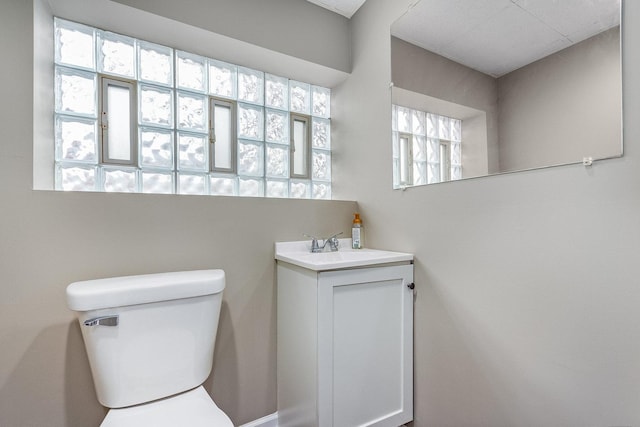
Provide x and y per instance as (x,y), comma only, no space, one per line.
(195,125)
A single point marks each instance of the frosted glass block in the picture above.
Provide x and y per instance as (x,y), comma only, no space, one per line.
(157,182)
(156,106)
(155,63)
(456,173)
(444,128)
(433,151)
(250,158)
(300,97)
(321,133)
(223,186)
(320,101)
(396,173)
(250,122)
(250,86)
(419,122)
(74,44)
(116,54)
(432,125)
(419,173)
(404,120)
(191,184)
(192,151)
(277,188)
(222,79)
(456,130)
(75,178)
(276,92)
(419,149)
(249,187)
(120,180)
(76,139)
(394,117)
(456,154)
(277,126)
(299,189)
(192,112)
(75,92)
(190,71)
(395,142)
(433,173)
(156,148)
(277,161)
(321,190)
(321,165)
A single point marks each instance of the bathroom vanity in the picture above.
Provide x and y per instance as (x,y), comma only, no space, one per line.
(345,337)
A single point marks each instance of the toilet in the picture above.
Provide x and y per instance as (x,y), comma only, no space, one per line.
(150,342)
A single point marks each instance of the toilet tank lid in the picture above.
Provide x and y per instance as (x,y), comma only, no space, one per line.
(142,289)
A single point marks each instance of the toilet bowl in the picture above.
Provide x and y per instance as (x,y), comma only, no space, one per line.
(150,342)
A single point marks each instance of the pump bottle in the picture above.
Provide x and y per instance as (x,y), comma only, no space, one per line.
(356,232)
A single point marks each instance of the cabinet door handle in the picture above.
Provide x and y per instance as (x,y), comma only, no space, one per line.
(411,285)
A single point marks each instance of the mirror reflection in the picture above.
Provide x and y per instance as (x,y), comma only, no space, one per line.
(500,86)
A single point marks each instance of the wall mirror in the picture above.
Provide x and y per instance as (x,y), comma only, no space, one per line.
(495,86)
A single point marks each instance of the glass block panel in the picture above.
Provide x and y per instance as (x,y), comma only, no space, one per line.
(277,163)
(222,79)
(250,86)
(321,133)
(156,148)
(396,173)
(192,151)
(419,149)
(321,165)
(250,158)
(419,122)
(192,112)
(456,154)
(277,126)
(320,101)
(156,106)
(321,190)
(433,151)
(120,180)
(456,130)
(300,97)
(75,92)
(191,184)
(223,186)
(116,54)
(405,116)
(299,189)
(157,182)
(76,139)
(394,117)
(155,63)
(75,44)
(249,187)
(444,128)
(433,173)
(456,173)
(276,92)
(250,122)
(190,71)
(419,173)
(277,188)
(432,125)
(75,178)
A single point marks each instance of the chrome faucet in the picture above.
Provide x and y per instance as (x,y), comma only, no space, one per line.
(333,242)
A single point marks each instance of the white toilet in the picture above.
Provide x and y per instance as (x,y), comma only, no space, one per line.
(150,343)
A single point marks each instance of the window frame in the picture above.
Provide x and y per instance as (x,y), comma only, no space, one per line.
(306,119)
(103,102)
(233,132)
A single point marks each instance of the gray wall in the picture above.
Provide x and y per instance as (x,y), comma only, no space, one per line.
(527,297)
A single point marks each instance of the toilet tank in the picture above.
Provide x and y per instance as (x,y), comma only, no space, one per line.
(164,338)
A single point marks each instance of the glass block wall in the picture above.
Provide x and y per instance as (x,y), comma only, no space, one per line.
(428,131)
(173,90)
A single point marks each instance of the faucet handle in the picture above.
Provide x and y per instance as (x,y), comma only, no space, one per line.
(334,243)
(315,247)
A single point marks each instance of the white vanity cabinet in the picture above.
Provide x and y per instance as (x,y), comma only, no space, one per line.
(345,345)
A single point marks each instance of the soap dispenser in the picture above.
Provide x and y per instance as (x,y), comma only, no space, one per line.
(356,232)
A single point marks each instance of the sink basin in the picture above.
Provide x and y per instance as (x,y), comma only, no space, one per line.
(299,253)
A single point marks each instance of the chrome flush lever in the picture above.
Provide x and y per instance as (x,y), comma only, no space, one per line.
(102,321)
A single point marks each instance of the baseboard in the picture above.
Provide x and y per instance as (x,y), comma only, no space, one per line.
(268,421)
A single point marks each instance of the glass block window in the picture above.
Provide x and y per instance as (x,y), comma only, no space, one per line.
(135,116)
(427,148)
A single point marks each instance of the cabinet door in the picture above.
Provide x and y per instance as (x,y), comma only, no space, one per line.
(365,359)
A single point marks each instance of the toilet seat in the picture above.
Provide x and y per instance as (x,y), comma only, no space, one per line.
(193,408)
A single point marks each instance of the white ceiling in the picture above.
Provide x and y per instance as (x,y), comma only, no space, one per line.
(343,7)
(499,36)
